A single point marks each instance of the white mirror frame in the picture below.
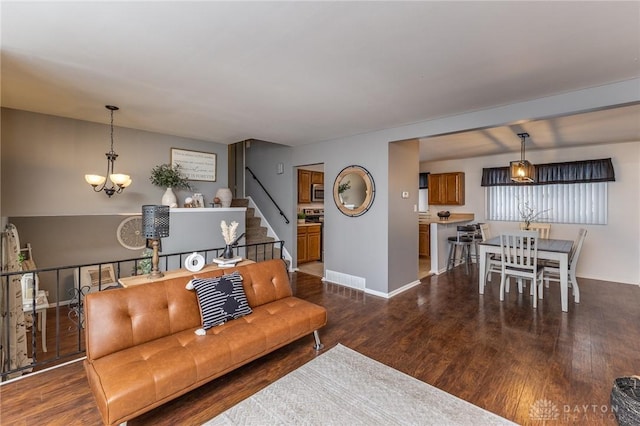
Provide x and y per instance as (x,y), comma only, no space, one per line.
(370,189)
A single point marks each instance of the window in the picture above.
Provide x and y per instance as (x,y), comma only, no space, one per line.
(571,192)
(584,203)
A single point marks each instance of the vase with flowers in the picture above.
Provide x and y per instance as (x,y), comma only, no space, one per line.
(230,239)
(169,177)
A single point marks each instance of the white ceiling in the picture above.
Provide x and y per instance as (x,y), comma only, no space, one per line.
(302,72)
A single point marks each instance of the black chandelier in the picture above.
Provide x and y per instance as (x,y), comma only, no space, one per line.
(118,181)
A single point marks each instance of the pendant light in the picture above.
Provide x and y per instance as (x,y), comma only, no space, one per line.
(118,181)
(522,171)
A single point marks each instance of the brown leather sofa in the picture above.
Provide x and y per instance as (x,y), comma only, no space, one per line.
(142,350)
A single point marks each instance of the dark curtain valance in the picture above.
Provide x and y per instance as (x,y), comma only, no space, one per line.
(547,174)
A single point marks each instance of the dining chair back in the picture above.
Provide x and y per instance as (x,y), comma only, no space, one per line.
(544,229)
(486,231)
(519,251)
(493,262)
(552,270)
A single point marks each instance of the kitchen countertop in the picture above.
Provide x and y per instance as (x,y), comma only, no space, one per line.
(425,219)
(309,224)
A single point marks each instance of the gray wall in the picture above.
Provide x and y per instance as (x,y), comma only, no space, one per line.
(403,215)
(195,229)
(354,245)
(44,160)
(262,158)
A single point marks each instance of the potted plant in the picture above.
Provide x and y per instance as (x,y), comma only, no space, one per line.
(301,217)
(168,177)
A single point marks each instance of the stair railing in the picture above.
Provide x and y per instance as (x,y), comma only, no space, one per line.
(286,220)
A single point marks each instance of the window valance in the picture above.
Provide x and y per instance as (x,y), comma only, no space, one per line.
(553,173)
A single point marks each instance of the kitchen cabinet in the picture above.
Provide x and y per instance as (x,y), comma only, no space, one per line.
(313,243)
(307,178)
(423,240)
(446,189)
(304,186)
(309,242)
(302,244)
(317,178)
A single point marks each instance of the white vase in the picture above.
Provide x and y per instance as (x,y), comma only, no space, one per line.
(169,198)
(225,197)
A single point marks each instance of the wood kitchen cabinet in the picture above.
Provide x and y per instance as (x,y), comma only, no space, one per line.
(304,186)
(302,244)
(309,243)
(313,243)
(317,178)
(446,189)
(306,178)
(424,240)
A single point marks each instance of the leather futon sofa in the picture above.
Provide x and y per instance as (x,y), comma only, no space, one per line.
(143,348)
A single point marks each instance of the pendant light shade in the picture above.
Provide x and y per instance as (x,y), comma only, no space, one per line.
(522,171)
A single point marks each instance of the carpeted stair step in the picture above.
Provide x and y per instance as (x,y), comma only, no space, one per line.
(240,202)
(253,222)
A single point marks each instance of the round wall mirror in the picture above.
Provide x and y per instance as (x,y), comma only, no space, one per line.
(354,190)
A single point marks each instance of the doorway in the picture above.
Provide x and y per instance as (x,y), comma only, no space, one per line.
(310,228)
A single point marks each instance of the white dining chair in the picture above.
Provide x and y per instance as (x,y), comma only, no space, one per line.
(544,229)
(552,269)
(494,264)
(519,251)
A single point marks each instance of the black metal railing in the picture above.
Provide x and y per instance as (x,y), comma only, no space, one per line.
(286,220)
(65,302)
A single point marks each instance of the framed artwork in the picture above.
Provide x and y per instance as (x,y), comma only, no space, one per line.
(195,165)
(95,276)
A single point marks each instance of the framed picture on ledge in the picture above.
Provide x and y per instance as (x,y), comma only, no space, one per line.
(195,165)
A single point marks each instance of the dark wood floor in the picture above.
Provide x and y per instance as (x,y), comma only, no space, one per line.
(503,357)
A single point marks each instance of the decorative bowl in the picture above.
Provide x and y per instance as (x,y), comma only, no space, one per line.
(444,214)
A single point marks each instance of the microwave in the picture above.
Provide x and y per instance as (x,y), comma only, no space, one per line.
(317,192)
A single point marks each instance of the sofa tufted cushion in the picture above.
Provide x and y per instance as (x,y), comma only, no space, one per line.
(220,299)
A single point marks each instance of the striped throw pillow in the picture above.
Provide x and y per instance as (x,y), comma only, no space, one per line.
(220,299)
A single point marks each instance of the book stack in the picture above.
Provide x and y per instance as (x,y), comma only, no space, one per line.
(227,263)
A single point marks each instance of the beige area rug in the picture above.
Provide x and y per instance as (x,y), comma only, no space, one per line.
(343,387)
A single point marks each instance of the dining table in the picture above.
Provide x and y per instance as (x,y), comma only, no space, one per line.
(548,249)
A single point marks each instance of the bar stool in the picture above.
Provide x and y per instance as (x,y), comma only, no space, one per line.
(463,240)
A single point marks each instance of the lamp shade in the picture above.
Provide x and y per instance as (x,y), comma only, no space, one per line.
(522,171)
(119,178)
(95,180)
(155,221)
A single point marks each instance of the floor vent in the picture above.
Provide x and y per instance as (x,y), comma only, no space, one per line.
(345,279)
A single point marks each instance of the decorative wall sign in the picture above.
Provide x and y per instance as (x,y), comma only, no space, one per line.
(195,165)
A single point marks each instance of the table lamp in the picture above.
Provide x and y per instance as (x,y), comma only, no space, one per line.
(155,225)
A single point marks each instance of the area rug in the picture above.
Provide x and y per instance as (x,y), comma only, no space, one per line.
(344,387)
